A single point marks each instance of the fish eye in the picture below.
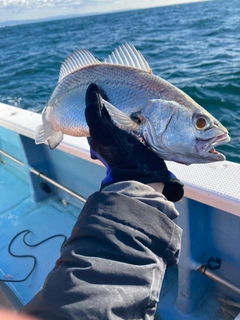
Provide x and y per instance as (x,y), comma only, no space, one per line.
(201,122)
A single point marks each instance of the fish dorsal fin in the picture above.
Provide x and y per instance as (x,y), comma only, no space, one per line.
(77,60)
(128,55)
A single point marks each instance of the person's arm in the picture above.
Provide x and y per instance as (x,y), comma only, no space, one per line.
(125,157)
(113,264)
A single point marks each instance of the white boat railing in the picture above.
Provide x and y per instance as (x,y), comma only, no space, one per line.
(214,184)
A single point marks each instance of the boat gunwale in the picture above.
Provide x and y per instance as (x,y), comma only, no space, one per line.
(201,189)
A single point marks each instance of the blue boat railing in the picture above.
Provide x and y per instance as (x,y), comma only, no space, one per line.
(44,177)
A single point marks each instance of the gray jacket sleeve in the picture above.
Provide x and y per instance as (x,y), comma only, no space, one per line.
(113,264)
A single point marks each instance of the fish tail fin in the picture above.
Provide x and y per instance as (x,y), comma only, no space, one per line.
(45,132)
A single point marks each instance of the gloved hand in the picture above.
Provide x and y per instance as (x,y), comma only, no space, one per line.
(125,157)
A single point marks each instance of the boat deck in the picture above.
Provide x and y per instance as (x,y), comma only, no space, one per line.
(55,217)
(209,217)
(44,219)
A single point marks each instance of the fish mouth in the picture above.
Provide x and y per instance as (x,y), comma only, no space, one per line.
(207,147)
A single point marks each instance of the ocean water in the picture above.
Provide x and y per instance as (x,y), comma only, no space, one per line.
(194,46)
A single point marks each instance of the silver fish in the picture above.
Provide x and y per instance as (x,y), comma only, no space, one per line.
(174,126)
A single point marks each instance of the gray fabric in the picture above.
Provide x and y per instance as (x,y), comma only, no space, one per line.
(145,194)
(113,264)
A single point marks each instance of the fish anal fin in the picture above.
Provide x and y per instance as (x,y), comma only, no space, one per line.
(55,139)
(128,55)
(45,132)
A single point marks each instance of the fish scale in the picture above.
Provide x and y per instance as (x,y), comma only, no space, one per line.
(123,86)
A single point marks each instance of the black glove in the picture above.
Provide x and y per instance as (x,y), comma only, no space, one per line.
(125,157)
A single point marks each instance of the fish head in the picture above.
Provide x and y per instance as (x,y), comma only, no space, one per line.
(182,134)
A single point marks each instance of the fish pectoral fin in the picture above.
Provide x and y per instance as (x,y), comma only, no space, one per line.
(128,55)
(120,119)
(45,132)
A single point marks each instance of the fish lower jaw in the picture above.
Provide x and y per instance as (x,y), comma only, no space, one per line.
(207,147)
(213,151)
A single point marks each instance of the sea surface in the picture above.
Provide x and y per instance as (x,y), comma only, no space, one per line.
(194,46)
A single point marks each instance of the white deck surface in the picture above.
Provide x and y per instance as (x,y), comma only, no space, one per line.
(215,184)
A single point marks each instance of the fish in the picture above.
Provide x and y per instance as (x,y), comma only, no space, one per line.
(156,112)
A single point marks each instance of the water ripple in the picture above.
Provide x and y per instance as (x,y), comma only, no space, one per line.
(194,46)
